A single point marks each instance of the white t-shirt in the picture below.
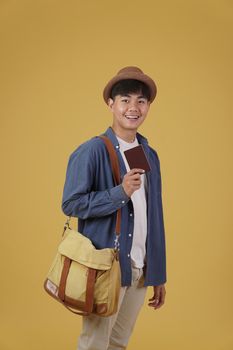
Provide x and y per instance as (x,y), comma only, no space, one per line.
(138,198)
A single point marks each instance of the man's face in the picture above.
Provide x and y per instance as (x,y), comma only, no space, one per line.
(129,111)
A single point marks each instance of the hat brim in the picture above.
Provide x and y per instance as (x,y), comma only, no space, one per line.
(130,75)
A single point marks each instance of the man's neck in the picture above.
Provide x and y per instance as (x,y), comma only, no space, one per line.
(126,135)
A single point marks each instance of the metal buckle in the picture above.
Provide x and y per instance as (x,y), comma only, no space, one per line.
(117,246)
(66,226)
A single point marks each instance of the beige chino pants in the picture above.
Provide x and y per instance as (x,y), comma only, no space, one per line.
(113,332)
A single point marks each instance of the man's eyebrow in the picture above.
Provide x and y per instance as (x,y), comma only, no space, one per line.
(128,95)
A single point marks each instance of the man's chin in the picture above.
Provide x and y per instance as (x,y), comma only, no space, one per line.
(132,128)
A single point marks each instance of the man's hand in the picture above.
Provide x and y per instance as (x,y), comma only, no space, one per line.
(132,181)
(159,296)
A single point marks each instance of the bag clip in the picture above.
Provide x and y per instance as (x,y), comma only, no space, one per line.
(67,225)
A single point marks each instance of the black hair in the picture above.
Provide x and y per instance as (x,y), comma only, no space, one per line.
(127,86)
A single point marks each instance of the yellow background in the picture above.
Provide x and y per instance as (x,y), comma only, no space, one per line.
(56,57)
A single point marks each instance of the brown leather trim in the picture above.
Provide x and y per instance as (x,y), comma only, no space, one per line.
(49,291)
(100,309)
(79,306)
(71,304)
(68,305)
(113,159)
(64,275)
(116,174)
(89,302)
(87,305)
(76,304)
(90,289)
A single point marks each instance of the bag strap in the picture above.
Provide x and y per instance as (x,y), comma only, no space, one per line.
(89,298)
(113,159)
(117,179)
(116,175)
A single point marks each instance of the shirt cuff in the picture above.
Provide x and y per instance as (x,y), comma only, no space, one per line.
(118,195)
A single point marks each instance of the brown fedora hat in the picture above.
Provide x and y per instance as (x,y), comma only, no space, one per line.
(130,73)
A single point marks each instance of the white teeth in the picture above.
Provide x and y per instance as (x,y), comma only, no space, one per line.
(132,116)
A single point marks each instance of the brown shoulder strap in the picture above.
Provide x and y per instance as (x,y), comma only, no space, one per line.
(113,159)
(116,174)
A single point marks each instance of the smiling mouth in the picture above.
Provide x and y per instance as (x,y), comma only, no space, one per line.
(132,117)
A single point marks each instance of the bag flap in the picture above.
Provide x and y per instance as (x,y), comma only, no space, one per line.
(79,248)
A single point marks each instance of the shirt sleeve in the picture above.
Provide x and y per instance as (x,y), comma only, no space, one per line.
(79,199)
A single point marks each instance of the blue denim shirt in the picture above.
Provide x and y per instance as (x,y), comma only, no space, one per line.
(90,194)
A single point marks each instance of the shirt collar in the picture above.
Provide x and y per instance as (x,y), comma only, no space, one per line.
(111,135)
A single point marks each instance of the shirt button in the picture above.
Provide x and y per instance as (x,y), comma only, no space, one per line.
(128,255)
(122,202)
(130,214)
(130,235)
(117,146)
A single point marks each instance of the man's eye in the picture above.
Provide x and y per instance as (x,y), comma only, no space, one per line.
(142,101)
(125,100)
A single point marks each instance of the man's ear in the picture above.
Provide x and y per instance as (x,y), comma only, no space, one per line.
(110,103)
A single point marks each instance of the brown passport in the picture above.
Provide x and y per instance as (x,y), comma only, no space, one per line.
(136,158)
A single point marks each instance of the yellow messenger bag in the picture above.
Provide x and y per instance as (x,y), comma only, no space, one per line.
(84,279)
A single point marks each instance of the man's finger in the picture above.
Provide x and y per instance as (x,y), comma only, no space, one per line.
(158,298)
(136,171)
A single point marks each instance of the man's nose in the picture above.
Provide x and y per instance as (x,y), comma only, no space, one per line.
(133,106)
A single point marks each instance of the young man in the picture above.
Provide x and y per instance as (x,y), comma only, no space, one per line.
(90,195)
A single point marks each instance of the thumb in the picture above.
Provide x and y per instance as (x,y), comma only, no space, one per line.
(153,298)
